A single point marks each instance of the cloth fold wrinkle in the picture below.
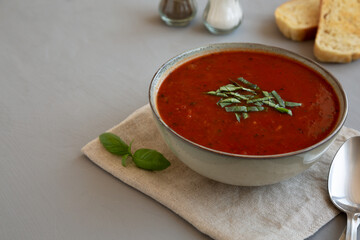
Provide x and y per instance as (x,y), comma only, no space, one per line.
(292,209)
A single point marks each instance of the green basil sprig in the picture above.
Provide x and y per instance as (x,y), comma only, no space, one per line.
(147,159)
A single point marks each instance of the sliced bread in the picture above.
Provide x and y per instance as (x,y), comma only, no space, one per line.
(338,35)
(298,19)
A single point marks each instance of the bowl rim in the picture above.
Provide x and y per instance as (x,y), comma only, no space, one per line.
(261,48)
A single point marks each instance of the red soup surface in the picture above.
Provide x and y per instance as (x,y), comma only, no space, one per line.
(186,108)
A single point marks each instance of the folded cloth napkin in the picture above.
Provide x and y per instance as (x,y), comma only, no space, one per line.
(292,209)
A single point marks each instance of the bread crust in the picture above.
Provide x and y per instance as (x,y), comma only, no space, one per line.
(338,36)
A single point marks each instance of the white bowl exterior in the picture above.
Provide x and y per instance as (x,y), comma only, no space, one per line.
(234,169)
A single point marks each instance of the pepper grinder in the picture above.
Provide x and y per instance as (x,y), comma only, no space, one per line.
(177,13)
(222,16)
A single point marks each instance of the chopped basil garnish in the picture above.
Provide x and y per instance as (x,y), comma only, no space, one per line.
(233,95)
(292,104)
(230,100)
(278,98)
(229,88)
(249,84)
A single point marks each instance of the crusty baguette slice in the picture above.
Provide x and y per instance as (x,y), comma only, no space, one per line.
(338,36)
(298,19)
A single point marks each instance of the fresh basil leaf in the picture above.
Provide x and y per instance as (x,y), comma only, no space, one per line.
(114,144)
(150,160)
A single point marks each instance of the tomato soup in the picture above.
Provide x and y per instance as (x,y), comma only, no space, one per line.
(185,105)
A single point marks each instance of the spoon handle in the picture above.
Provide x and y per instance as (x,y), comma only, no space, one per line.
(351,227)
(342,237)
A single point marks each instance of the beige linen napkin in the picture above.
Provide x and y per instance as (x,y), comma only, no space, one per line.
(293,209)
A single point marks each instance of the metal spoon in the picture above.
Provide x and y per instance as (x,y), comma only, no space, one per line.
(344,183)
(342,237)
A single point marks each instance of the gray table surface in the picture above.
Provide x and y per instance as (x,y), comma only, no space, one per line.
(71,69)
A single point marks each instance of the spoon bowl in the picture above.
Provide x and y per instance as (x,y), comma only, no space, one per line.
(344,183)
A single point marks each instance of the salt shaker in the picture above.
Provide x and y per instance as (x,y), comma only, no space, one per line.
(177,13)
(222,16)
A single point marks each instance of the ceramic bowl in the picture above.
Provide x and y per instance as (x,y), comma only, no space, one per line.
(238,169)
